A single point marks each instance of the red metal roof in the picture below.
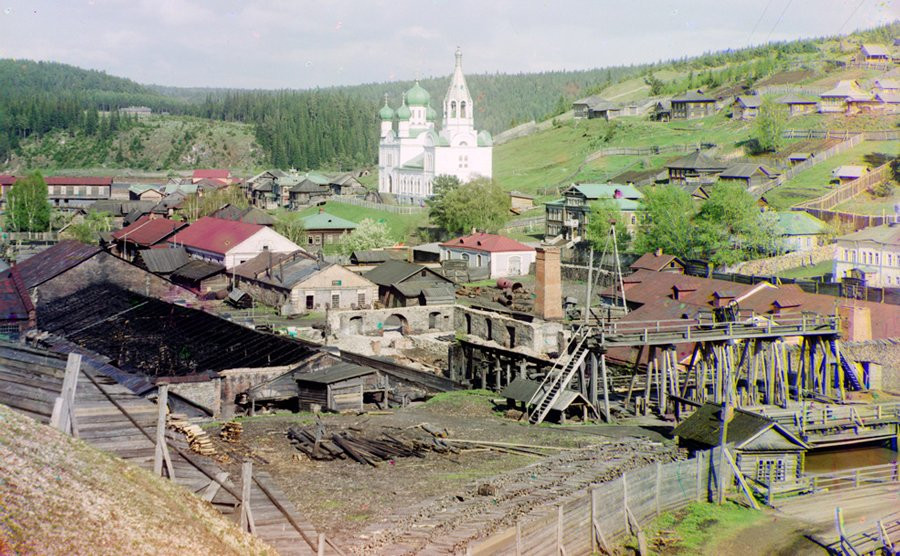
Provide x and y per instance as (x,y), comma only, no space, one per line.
(75,180)
(6,179)
(652,261)
(147,232)
(213,173)
(15,303)
(215,235)
(490,243)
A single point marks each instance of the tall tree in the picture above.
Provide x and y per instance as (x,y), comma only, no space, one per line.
(603,213)
(667,222)
(479,204)
(290,225)
(368,234)
(731,228)
(441,187)
(28,206)
(769,125)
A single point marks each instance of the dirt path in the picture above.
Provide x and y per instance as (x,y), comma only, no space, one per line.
(774,535)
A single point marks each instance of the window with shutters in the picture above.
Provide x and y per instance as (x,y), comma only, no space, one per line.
(335,300)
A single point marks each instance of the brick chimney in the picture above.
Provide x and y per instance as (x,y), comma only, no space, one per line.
(856,323)
(548,284)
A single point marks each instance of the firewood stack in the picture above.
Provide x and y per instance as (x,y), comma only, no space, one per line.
(231,431)
(372,449)
(197,438)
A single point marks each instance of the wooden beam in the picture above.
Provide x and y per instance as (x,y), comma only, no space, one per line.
(161,454)
(63,417)
(740,478)
(609,417)
(247,523)
(214,485)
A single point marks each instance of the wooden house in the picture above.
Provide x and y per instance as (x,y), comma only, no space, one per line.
(658,261)
(763,449)
(874,54)
(694,168)
(324,229)
(693,104)
(748,175)
(842,97)
(340,387)
(662,112)
(401,284)
(520,202)
(798,105)
(745,107)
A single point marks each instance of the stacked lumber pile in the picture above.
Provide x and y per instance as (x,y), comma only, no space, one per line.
(231,431)
(197,438)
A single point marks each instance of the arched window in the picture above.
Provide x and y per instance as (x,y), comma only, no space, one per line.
(462,109)
(453,109)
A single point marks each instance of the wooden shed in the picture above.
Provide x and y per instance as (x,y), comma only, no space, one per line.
(341,387)
(761,446)
(569,403)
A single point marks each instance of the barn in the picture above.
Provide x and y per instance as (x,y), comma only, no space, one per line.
(341,387)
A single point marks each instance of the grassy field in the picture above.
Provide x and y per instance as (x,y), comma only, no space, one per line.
(697,526)
(870,204)
(401,225)
(819,269)
(814,182)
(555,156)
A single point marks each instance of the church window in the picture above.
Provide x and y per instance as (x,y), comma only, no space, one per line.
(462,109)
(453,109)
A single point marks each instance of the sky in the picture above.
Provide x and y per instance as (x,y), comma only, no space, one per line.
(277,44)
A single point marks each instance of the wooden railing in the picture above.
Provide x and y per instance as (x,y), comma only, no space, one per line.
(859,477)
(814,418)
(759,324)
(846,191)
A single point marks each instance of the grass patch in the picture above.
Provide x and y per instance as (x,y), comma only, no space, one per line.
(866,203)
(814,182)
(465,402)
(819,269)
(699,524)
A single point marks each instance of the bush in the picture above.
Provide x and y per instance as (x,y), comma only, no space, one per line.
(883,189)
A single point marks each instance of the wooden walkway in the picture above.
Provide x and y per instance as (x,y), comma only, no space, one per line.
(828,424)
(111,418)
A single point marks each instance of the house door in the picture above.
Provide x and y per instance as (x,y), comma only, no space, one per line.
(310,301)
(515,266)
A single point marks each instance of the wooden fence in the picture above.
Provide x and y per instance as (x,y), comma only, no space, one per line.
(876,135)
(609,512)
(31,236)
(650,150)
(791,171)
(394,209)
(847,191)
(860,477)
(524,224)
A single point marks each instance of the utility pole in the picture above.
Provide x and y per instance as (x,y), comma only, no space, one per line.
(726,414)
(590,280)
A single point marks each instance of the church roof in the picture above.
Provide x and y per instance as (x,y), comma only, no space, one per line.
(417,96)
(386,112)
(417,162)
(403,113)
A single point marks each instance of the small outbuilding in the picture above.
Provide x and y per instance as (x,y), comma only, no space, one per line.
(340,387)
(569,403)
(762,447)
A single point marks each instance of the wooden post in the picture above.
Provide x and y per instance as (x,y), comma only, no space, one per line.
(726,410)
(625,501)
(587,294)
(560,549)
(161,454)
(518,537)
(699,459)
(214,486)
(593,491)
(63,417)
(609,417)
(247,523)
(320,551)
(658,479)
(593,387)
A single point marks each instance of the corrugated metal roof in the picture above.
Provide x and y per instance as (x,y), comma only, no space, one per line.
(52,262)
(325,221)
(164,261)
(148,231)
(215,235)
(393,272)
(489,243)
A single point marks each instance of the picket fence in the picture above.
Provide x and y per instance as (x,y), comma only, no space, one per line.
(394,209)
(847,191)
(607,513)
(849,142)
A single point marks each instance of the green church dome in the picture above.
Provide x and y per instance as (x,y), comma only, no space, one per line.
(403,112)
(430,113)
(417,96)
(386,112)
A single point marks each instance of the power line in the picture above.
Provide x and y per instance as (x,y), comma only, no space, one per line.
(769,3)
(786,6)
(846,21)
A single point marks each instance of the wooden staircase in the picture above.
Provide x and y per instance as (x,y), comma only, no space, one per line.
(559,377)
(854,380)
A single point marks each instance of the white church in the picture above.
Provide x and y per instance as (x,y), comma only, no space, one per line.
(412,152)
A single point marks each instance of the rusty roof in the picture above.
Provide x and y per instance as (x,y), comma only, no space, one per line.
(15,303)
(52,262)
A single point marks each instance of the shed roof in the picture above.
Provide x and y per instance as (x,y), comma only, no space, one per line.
(887,83)
(325,221)
(746,170)
(164,261)
(198,270)
(693,96)
(372,256)
(749,101)
(795,99)
(652,261)
(885,234)
(335,373)
(393,272)
(54,261)
(848,171)
(523,389)
(212,173)
(875,50)
(705,427)
(847,88)
(697,161)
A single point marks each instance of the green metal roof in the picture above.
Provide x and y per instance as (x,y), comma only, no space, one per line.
(325,221)
(798,223)
(485,139)
(417,162)
(403,113)
(607,190)
(386,112)
(430,113)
